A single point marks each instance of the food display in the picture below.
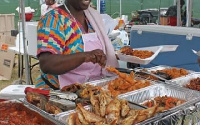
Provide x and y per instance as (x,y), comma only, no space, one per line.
(143,54)
(17,114)
(125,83)
(109,111)
(194,84)
(164,103)
(82,90)
(171,73)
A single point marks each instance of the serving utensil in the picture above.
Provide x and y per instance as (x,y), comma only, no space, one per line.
(61,95)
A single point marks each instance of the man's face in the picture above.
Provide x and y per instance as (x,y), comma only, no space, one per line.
(49,2)
(79,4)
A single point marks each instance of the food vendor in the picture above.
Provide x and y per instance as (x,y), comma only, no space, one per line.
(72,46)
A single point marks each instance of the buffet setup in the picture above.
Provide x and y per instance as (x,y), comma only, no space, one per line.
(160,95)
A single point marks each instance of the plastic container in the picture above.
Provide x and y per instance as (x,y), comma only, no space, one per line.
(13,92)
(28,16)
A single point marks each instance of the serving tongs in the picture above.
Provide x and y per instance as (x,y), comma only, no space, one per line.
(50,93)
(137,106)
(160,75)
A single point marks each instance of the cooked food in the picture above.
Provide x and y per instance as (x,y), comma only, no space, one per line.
(172,72)
(72,88)
(194,84)
(52,109)
(42,102)
(36,99)
(115,112)
(164,103)
(82,90)
(143,54)
(125,83)
(18,114)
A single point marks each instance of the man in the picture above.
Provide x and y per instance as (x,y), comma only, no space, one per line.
(172,12)
(49,5)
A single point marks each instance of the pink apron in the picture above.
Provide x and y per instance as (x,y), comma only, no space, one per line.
(87,71)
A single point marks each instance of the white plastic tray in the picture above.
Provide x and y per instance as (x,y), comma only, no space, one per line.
(137,60)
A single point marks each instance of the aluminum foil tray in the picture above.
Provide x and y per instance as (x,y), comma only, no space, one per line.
(43,114)
(182,81)
(104,83)
(161,67)
(161,90)
(188,116)
(64,116)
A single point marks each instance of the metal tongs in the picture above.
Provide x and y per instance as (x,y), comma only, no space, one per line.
(62,95)
(158,75)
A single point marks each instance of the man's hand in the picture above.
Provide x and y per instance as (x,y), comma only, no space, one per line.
(96,56)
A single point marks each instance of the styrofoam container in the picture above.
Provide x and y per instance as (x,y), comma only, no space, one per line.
(137,60)
(14,92)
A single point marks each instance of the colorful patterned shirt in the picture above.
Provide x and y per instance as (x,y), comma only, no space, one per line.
(58,33)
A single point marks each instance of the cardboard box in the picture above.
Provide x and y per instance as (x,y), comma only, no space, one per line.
(6,57)
(7,23)
(9,40)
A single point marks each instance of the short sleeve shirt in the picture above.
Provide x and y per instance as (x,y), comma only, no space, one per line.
(58,33)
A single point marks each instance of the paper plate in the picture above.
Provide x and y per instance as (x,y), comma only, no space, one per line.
(137,60)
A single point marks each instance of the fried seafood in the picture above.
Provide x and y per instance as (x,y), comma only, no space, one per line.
(89,116)
(171,72)
(124,108)
(164,103)
(43,103)
(143,54)
(52,109)
(125,83)
(36,99)
(194,84)
(82,90)
(117,112)
(72,88)
(174,72)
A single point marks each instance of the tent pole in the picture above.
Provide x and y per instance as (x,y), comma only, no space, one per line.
(188,12)
(26,60)
(178,13)
(120,9)
(98,5)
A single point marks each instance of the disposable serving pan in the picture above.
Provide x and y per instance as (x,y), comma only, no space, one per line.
(187,116)
(161,90)
(104,82)
(183,81)
(134,59)
(63,117)
(40,112)
(161,67)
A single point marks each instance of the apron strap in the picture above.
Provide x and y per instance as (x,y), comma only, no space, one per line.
(48,83)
